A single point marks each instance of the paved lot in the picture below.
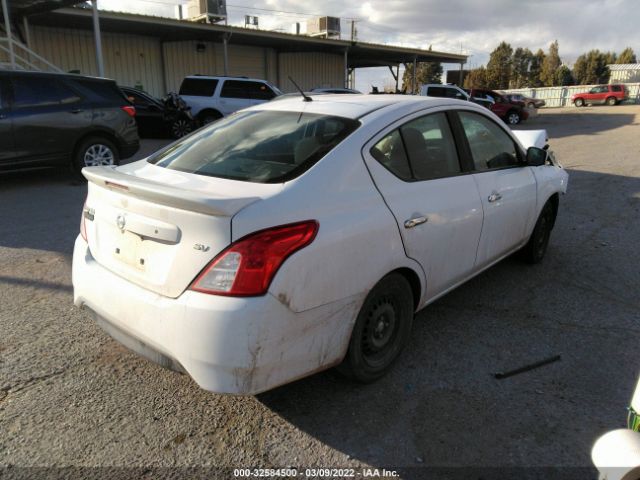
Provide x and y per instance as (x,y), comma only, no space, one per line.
(70,396)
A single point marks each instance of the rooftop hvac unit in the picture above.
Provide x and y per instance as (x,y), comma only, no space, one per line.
(211,11)
(327,27)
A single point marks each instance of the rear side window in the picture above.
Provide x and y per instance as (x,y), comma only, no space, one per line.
(491,147)
(616,88)
(198,87)
(390,152)
(100,89)
(246,89)
(261,147)
(41,92)
(436,92)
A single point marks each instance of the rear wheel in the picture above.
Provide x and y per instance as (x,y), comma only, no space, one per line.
(209,116)
(578,102)
(95,151)
(531,105)
(612,101)
(513,117)
(536,247)
(181,127)
(381,330)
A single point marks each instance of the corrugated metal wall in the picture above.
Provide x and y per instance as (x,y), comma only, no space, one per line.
(138,60)
(129,59)
(310,70)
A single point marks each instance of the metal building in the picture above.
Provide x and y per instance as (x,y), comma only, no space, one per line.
(157,53)
(624,73)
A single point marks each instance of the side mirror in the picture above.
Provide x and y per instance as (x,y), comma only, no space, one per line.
(536,156)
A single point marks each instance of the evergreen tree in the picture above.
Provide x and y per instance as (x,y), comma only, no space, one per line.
(563,76)
(536,69)
(427,72)
(627,56)
(591,68)
(520,65)
(476,78)
(499,67)
(550,66)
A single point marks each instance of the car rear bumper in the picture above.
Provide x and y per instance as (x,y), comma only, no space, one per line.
(226,344)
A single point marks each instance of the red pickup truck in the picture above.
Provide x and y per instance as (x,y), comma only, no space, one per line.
(511,113)
(600,94)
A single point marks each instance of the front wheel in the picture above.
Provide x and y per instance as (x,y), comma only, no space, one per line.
(578,102)
(381,330)
(536,247)
(531,105)
(513,118)
(181,127)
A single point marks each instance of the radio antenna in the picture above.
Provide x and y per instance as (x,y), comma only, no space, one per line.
(306,97)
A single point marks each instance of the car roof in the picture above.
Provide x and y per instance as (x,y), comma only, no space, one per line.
(224,77)
(54,75)
(352,106)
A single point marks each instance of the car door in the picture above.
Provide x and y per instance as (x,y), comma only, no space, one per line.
(416,168)
(7,150)
(238,94)
(47,118)
(507,188)
(149,113)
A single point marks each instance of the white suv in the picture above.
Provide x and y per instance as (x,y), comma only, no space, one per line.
(446,91)
(213,97)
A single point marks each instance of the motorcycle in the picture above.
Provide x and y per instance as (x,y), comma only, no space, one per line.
(177,115)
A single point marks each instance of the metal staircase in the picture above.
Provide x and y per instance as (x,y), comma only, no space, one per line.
(15,55)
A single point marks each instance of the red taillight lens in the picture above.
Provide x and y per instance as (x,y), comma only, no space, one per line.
(246,267)
(130,109)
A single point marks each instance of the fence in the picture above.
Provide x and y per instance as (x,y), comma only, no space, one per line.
(561,96)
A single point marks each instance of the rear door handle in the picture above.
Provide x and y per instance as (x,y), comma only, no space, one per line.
(494,197)
(412,222)
(76,110)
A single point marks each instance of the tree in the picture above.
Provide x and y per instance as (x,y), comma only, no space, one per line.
(550,66)
(427,72)
(499,67)
(627,56)
(476,78)
(536,69)
(520,65)
(591,68)
(563,76)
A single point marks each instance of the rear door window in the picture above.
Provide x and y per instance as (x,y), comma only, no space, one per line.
(198,87)
(616,88)
(41,92)
(246,89)
(258,146)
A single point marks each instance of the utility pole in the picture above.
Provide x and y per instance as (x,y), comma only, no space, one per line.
(354,30)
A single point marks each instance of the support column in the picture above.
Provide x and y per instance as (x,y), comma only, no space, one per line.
(413,77)
(346,68)
(7,27)
(97,38)
(27,37)
(225,54)
(461,74)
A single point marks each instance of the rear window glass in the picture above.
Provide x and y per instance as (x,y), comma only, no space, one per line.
(198,87)
(246,89)
(41,92)
(104,90)
(261,147)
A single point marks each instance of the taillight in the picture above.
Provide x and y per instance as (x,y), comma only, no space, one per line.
(246,267)
(130,109)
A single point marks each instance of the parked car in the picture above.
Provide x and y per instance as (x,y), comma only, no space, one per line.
(510,112)
(49,119)
(444,91)
(600,95)
(211,98)
(160,117)
(524,101)
(297,235)
(335,90)
(616,454)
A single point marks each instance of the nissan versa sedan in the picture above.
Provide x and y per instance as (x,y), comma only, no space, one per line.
(298,235)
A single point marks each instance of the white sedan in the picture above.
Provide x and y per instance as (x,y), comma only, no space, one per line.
(299,235)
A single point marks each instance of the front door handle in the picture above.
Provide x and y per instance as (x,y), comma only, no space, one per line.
(494,197)
(415,221)
(76,110)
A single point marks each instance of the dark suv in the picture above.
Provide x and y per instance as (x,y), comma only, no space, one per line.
(49,119)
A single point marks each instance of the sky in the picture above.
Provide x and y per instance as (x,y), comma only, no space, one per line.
(471,27)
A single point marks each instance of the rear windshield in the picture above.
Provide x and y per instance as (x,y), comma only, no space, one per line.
(259,146)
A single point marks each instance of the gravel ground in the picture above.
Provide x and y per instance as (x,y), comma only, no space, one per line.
(72,397)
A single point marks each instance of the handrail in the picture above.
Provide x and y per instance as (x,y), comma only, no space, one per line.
(30,53)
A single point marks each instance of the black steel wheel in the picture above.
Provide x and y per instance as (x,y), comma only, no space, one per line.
(181,127)
(381,330)
(536,247)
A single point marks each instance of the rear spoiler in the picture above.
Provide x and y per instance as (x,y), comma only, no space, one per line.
(194,201)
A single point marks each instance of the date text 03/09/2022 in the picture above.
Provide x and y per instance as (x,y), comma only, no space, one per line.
(314,473)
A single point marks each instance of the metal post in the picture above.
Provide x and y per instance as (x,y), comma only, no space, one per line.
(7,27)
(461,75)
(27,36)
(97,37)
(225,54)
(346,68)
(413,77)
(397,76)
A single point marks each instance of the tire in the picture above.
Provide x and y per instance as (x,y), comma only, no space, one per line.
(535,249)
(209,116)
(611,101)
(95,151)
(531,105)
(181,127)
(579,102)
(381,330)
(513,117)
